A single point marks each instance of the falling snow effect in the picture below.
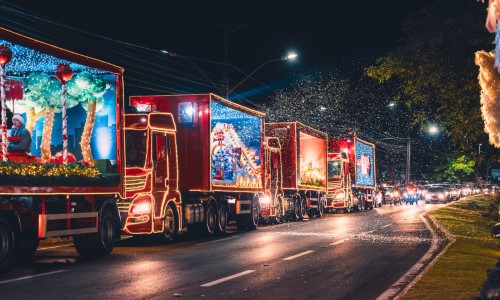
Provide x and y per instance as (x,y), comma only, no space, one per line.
(489,80)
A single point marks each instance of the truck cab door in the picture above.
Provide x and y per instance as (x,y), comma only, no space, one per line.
(160,169)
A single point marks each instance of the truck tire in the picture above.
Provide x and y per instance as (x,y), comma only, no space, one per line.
(100,243)
(295,213)
(321,207)
(170,225)
(210,219)
(302,208)
(222,218)
(6,244)
(253,220)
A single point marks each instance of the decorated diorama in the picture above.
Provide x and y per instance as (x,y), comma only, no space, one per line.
(312,161)
(365,164)
(69,111)
(235,147)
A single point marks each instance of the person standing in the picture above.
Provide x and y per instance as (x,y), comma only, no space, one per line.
(19,130)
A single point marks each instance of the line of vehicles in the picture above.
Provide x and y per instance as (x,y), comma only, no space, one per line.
(158,165)
(431,193)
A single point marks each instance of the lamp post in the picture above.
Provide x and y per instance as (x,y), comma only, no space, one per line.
(479,150)
(290,56)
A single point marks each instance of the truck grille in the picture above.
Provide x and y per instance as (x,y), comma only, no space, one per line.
(334,184)
(123,206)
(135,183)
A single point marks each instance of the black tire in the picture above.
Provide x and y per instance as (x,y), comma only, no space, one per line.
(100,243)
(26,245)
(279,212)
(222,218)
(253,219)
(6,244)
(170,225)
(295,213)
(210,222)
(321,208)
(302,209)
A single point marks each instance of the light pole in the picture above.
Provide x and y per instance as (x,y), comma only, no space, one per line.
(479,151)
(290,56)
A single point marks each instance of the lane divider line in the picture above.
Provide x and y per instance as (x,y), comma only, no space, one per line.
(227,278)
(386,226)
(338,242)
(298,255)
(216,241)
(32,276)
(54,247)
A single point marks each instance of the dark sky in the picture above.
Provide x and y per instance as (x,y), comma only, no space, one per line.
(323,33)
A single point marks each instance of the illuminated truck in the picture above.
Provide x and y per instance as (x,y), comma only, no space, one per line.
(303,159)
(219,152)
(351,174)
(69,182)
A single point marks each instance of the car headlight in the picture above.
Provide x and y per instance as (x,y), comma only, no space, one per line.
(266,200)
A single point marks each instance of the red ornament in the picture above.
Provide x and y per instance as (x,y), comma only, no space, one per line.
(5,54)
(64,72)
(58,158)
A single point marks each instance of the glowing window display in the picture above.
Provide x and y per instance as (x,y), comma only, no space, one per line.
(235,147)
(364,164)
(312,160)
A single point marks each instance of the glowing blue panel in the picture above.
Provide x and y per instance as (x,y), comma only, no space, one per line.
(365,164)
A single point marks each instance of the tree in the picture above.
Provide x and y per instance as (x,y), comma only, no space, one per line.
(433,68)
(459,169)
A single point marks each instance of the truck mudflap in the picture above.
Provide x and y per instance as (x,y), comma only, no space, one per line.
(51,225)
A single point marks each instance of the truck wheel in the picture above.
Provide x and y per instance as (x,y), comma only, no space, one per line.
(302,209)
(100,243)
(222,218)
(321,208)
(253,221)
(295,213)
(169,225)
(210,219)
(6,244)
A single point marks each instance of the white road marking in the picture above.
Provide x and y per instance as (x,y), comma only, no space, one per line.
(216,241)
(227,278)
(338,242)
(298,255)
(54,247)
(386,225)
(30,277)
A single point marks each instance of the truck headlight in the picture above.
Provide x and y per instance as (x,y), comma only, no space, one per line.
(266,200)
(141,209)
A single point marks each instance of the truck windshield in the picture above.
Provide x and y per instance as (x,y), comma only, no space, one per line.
(333,169)
(135,149)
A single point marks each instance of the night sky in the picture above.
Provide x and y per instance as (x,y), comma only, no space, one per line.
(131,33)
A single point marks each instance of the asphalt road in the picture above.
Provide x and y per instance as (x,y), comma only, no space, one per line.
(339,256)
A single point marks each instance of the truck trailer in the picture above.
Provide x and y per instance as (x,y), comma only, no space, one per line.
(303,153)
(351,174)
(219,152)
(68,183)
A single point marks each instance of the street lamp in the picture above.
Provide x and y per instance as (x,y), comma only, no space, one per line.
(479,152)
(433,129)
(290,56)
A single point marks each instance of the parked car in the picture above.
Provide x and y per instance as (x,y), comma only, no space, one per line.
(392,195)
(436,194)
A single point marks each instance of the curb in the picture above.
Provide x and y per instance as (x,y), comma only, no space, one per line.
(418,270)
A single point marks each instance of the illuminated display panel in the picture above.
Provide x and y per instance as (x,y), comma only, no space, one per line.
(235,147)
(90,103)
(312,160)
(365,164)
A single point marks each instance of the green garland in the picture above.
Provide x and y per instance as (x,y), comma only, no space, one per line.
(72,174)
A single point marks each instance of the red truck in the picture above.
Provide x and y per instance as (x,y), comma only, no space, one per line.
(52,190)
(220,155)
(303,160)
(351,174)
